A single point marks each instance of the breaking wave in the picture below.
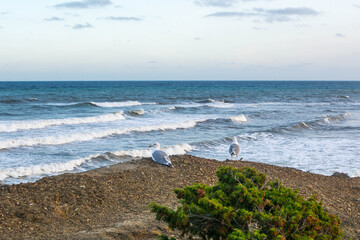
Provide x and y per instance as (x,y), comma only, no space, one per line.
(44,169)
(37,124)
(301,125)
(82,137)
(171,150)
(336,118)
(60,167)
(120,104)
(136,112)
(102,104)
(314,124)
(239,119)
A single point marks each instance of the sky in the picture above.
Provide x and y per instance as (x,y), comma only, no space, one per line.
(179,40)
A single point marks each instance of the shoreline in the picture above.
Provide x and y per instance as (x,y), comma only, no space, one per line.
(111,202)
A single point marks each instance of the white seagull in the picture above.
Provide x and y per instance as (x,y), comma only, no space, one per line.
(160,156)
(234,149)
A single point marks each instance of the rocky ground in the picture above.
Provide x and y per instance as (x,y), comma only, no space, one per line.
(111,202)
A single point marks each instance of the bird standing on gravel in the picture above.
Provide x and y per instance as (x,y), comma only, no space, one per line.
(160,156)
(234,149)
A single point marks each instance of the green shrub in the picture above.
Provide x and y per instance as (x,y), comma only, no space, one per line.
(243,205)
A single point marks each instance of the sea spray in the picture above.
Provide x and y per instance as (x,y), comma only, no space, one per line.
(81,137)
(239,119)
(38,124)
(60,167)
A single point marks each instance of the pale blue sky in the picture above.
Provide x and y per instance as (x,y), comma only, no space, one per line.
(180,40)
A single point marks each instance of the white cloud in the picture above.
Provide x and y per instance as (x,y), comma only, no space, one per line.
(124,18)
(82,26)
(271,15)
(84,4)
(52,19)
(340,35)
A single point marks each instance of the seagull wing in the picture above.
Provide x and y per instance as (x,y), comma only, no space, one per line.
(161,157)
(234,149)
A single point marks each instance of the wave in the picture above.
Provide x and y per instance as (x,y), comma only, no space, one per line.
(136,112)
(170,150)
(82,137)
(102,104)
(207,103)
(313,124)
(60,167)
(210,101)
(65,104)
(239,119)
(220,105)
(44,169)
(120,104)
(37,124)
(340,117)
(301,125)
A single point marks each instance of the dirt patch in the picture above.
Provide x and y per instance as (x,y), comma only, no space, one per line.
(111,202)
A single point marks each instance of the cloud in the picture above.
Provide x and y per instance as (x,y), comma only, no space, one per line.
(84,4)
(231,14)
(4,13)
(197,38)
(124,19)
(301,11)
(357,6)
(52,19)
(82,26)
(216,3)
(340,35)
(271,15)
(274,18)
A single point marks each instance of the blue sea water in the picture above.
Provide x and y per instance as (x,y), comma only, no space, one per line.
(48,128)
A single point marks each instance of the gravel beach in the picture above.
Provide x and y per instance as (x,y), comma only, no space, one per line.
(111,202)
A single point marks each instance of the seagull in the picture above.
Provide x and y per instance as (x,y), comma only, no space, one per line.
(234,149)
(160,156)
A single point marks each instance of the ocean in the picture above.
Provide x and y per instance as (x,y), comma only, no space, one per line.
(50,128)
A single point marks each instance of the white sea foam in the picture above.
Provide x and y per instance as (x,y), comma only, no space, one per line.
(120,104)
(219,105)
(209,103)
(239,119)
(62,104)
(170,150)
(37,124)
(336,118)
(44,169)
(81,137)
(55,168)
